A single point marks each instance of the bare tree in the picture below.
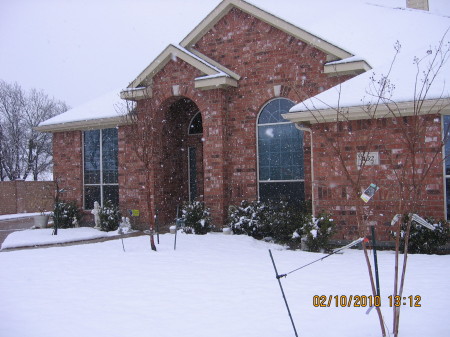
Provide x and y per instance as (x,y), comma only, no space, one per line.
(24,151)
(12,104)
(408,169)
(141,134)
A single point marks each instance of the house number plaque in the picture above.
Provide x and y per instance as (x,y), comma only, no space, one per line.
(370,158)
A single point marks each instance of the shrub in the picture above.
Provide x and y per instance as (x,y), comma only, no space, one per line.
(318,232)
(110,217)
(421,239)
(277,221)
(197,218)
(66,214)
(243,219)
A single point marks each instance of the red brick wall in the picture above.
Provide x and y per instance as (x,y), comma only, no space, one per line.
(68,165)
(26,196)
(387,137)
(8,197)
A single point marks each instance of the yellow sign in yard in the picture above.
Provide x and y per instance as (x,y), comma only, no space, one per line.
(133,212)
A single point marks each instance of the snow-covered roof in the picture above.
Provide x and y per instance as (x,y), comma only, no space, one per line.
(371,32)
(362,32)
(108,109)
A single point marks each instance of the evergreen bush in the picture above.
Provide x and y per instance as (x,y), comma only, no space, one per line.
(110,217)
(197,218)
(243,219)
(421,239)
(66,214)
(318,232)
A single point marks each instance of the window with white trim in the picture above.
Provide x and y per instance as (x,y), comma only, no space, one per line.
(100,167)
(280,155)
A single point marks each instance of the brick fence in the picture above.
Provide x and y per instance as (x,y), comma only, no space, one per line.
(26,196)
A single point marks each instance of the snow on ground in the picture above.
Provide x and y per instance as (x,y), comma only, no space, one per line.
(214,285)
(39,237)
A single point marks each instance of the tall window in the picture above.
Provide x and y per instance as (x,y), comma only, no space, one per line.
(100,167)
(280,155)
(447,162)
(196,125)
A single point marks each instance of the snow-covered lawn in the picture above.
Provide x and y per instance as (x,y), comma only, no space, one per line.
(211,286)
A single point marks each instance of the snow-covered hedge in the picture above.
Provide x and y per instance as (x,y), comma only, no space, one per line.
(423,240)
(281,223)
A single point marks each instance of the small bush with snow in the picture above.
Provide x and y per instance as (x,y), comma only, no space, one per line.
(110,217)
(197,218)
(66,214)
(317,232)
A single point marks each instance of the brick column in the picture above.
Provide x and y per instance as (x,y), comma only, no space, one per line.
(67,168)
(215,157)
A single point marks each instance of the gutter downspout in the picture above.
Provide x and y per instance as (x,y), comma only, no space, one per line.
(306,129)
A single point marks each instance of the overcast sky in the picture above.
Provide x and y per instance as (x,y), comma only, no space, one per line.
(77,50)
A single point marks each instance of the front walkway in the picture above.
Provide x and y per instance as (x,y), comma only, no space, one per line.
(18,224)
(12,225)
(74,243)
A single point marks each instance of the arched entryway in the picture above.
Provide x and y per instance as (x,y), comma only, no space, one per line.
(181,161)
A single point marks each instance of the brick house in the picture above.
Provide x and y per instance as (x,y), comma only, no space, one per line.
(218,104)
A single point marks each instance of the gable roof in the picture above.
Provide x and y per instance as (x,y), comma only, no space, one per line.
(213,75)
(225,6)
(216,75)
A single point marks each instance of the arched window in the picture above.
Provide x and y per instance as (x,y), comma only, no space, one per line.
(280,155)
(196,125)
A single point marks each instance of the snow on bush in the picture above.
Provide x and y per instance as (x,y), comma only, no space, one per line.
(277,221)
(318,232)
(197,218)
(110,217)
(66,214)
(423,240)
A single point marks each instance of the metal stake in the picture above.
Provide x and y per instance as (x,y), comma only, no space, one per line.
(282,292)
(157,226)
(123,246)
(375,260)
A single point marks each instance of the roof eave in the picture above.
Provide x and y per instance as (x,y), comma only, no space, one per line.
(136,94)
(215,83)
(399,109)
(101,123)
(348,68)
